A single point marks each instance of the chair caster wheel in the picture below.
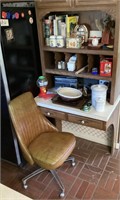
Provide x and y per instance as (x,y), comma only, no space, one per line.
(25,186)
(62,194)
(73,164)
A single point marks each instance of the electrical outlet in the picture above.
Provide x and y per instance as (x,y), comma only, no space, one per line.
(105,82)
(117,145)
(4,22)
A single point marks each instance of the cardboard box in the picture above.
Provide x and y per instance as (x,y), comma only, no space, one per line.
(105,68)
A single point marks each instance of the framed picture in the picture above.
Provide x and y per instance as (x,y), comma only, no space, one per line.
(9,34)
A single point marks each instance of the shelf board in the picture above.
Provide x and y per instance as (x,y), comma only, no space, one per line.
(81,75)
(84,50)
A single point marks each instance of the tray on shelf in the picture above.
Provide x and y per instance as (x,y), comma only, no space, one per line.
(79,103)
(90,46)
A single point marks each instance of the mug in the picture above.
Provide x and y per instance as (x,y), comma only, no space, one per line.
(95,41)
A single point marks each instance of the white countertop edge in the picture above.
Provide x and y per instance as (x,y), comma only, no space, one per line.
(7,193)
(104,116)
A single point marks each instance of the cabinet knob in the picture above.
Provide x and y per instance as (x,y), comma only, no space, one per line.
(82,122)
(48,113)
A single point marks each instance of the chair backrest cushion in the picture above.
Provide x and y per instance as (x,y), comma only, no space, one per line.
(28,121)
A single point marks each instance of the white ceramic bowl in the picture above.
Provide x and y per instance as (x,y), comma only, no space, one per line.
(68,93)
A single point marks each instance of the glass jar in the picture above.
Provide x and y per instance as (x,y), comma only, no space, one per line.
(60,41)
(42,83)
(53,42)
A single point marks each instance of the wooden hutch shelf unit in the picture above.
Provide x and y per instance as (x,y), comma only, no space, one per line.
(87,11)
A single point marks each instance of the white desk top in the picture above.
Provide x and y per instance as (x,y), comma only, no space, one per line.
(104,116)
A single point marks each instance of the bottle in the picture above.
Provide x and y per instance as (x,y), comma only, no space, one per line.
(47,31)
(59,65)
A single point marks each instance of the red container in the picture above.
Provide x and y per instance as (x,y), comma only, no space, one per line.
(105,68)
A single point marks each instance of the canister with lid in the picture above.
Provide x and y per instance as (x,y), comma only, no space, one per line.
(98,91)
(100,104)
(53,41)
(60,41)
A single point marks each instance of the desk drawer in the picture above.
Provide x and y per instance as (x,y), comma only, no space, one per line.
(86,121)
(53,113)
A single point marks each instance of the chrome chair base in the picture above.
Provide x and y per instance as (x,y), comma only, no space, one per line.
(53,172)
(36,172)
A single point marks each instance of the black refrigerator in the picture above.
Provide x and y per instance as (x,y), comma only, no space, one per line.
(22,66)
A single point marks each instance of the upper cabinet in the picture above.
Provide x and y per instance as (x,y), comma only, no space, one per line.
(93,2)
(91,14)
(71,3)
(53,3)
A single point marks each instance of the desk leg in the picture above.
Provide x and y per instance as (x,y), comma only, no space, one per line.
(114,122)
(119,128)
(58,124)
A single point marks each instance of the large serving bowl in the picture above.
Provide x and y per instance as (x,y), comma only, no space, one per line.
(68,93)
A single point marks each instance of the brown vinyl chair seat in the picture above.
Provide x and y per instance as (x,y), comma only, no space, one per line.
(49,150)
(40,141)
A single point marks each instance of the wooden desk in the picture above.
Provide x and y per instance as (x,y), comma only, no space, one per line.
(99,120)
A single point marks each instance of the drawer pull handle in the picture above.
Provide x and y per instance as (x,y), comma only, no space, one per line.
(82,122)
(48,113)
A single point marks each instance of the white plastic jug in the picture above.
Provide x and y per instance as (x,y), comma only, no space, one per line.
(98,91)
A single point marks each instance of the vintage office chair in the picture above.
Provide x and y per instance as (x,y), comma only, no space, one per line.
(40,142)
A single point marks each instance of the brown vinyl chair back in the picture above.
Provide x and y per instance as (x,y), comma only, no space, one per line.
(28,121)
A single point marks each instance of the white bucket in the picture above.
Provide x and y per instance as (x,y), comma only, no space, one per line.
(98,91)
